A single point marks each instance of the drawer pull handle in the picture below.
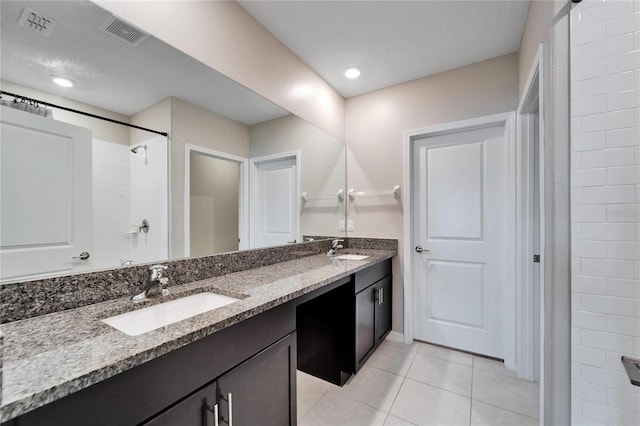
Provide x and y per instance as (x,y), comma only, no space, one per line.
(214,410)
(229,400)
(381,296)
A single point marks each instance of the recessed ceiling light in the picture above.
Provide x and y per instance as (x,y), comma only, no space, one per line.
(352,73)
(62,81)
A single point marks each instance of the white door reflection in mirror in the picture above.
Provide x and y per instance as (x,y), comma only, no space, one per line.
(275,216)
(46,196)
(215,213)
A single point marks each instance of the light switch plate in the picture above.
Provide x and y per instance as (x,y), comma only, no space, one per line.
(341,225)
(349,225)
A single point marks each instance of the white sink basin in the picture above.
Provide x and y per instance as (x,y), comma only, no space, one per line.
(143,320)
(351,257)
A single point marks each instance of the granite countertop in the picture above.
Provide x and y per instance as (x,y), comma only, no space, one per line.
(50,356)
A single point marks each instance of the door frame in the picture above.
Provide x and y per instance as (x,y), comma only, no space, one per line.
(243,198)
(528,355)
(508,120)
(253,179)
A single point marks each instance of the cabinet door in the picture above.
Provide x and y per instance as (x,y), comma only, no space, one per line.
(191,411)
(261,390)
(383,308)
(365,323)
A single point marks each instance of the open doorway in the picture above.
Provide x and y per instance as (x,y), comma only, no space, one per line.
(215,205)
(530,225)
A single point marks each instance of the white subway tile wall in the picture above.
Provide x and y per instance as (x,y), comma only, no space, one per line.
(150,200)
(605,204)
(110,194)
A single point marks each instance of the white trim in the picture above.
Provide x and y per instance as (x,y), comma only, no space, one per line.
(394,336)
(508,120)
(253,172)
(170,211)
(526,354)
(510,308)
(243,199)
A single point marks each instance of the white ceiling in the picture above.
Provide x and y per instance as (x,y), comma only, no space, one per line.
(392,41)
(111,74)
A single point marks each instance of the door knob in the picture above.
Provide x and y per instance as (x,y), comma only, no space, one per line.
(83,256)
(419,249)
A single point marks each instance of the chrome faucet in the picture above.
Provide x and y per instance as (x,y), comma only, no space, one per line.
(155,286)
(335,246)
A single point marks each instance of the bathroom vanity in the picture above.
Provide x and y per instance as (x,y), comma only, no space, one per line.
(237,362)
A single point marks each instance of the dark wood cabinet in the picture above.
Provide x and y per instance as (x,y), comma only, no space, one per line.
(247,371)
(325,337)
(383,308)
(261,390)
(342,324)
(372,310)
(195,410)
(175,388)
(365,338)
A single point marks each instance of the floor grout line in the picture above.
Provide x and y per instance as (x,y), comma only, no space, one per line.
(312,405)
(404,378)
(506,409)
(412,356)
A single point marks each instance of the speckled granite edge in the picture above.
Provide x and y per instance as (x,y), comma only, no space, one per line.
(372,243)
(269,287)
(40,297)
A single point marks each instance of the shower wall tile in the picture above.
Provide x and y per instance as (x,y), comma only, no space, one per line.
(110,201)
(149,200)
(605,281)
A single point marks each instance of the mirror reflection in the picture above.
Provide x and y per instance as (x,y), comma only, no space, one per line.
(235,171)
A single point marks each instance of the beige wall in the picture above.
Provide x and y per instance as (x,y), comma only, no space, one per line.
(214,205)
(195,126)
(375,123)
(156,117)
(102,130)
(537,30)
(232,42)
(322,164)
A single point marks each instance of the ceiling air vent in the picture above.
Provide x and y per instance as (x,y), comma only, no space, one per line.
(37,22)
(123,31)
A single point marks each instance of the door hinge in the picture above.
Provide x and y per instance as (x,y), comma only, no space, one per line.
(536,258)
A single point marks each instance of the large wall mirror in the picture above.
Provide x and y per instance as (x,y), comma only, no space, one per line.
(235,171)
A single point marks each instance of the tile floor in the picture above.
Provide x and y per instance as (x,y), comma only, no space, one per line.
(420,384)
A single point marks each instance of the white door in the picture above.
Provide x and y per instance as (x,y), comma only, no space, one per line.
(276,211)
(460,182)
(45,210)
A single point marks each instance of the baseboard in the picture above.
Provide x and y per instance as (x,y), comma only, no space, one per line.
(394,336)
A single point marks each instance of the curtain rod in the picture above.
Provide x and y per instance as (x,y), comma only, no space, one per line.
(83,113)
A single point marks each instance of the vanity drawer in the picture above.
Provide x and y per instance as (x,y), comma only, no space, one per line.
(372,274)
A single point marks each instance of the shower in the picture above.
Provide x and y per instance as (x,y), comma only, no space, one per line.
(140,151)
(136,149)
